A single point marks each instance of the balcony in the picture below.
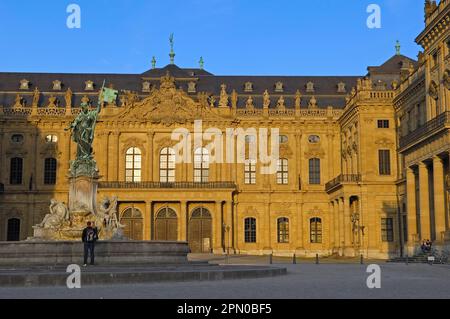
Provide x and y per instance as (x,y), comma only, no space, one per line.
(431,127)
(342,179)
(158,185)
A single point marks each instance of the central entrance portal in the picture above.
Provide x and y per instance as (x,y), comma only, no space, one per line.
(166,225)
(200,231)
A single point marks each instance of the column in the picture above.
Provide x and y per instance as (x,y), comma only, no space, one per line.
(218,229)
(424,202)
(411,205)
(183,222)
(228,210)
(347,223)
(150,157)
(336,224)
(332,227)
(439,193)
(1,156)
(300,233)
(340,202)
(265,228)
(113,141)
(64,159)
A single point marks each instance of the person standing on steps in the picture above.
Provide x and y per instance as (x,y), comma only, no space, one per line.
(89,237)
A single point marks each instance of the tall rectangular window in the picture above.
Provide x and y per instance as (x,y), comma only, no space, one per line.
(250,172)
(387,229)
(283,172)
(16,172)
(314,171)
(384,158)
(250,230)
(50,166)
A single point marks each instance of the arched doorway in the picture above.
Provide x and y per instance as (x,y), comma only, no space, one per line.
(166,225)
(200,231)
(134,223)
(13,231)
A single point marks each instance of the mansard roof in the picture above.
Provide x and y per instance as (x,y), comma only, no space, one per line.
(324,88)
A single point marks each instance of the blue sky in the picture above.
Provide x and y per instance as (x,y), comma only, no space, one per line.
(235,37)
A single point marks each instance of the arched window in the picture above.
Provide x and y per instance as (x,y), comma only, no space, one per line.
(316,230)
(250,230)
(283,230)
(201,165)
(167,165)
(13,229)
(16,172)
(133,221)
(283,172)
(50,166)
(250,172)
(133,168)
(314,171)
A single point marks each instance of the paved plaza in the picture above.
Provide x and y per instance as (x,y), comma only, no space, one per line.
(333,279)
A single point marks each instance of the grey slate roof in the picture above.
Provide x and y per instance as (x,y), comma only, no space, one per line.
(326,87)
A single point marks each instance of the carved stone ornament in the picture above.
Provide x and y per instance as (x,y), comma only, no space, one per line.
(164,142)
(433,90)
(134,142)
(167,106)
(446,79)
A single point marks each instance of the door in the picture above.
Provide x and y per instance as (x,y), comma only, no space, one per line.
(134,224)
(200,231)
(166,225)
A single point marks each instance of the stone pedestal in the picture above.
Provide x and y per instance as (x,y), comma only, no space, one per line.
(83,194)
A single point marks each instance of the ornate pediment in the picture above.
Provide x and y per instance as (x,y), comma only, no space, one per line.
(167,105)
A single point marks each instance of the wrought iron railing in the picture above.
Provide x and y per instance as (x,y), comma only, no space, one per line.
(341,179)
(158,185)
(433,125)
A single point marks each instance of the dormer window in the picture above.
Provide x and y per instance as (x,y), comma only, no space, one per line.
(146,86)
(89,86)
(341,87)
(248,87)
(24,84)
(57,85)
(279,87)
(310,87)
(192,87)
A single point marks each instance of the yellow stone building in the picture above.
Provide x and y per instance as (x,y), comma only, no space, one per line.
(363,165)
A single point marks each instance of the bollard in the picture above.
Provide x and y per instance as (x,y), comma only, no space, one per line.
(294,260)
(362,260)
(407,259)
(317,259)
(271,258)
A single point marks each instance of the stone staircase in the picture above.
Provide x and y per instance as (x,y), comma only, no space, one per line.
(420,258)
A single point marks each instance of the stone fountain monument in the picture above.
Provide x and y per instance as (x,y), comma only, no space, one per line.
(67,223)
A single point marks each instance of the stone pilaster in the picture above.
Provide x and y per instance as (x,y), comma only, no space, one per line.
(439,202)
(424,202)
(411,206)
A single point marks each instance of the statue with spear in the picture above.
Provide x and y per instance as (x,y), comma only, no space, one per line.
(83,126)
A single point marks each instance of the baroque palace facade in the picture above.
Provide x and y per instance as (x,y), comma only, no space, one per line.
(363,168)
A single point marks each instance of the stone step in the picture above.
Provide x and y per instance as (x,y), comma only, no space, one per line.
(45,277)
